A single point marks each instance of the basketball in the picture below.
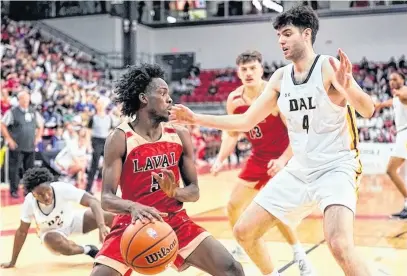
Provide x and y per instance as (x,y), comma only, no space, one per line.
(149,248)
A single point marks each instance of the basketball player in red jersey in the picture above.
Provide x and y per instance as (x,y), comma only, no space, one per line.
(147,158)
(270,151)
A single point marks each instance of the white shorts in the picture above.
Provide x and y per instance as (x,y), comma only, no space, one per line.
(291,200)
(400,148)
(76,226)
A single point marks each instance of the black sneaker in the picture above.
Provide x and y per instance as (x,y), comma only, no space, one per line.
(93,251)
(401,215)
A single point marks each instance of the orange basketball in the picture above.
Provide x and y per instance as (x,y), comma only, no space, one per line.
(149,248)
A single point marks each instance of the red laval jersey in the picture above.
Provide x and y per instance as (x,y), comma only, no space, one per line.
(269,138)
(142,158)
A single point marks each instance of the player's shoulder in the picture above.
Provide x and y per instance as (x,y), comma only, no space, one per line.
(29,198)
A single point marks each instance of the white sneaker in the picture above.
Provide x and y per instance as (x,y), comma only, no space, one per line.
(304,265)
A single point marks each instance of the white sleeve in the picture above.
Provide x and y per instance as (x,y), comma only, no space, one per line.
(27,213)
(69,192)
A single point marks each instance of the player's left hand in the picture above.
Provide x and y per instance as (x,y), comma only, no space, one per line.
(167,182)
(342,74)
(103,232)
(274,166)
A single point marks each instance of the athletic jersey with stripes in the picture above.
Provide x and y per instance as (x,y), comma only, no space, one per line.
(142,158)
(322,134)
(400,114)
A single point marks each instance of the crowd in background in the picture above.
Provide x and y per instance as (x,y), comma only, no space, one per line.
(67,89)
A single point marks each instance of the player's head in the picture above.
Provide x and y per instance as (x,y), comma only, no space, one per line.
(397,80)
(37,182)
(297,29)
(142,88)
(250,68)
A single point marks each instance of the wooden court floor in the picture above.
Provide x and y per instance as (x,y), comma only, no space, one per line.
(382,241)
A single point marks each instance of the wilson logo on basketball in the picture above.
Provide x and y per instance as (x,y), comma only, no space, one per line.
(162,253)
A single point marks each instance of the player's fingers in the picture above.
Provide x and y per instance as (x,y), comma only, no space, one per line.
(333,64)
(270,164)
(169,174)
(158,178)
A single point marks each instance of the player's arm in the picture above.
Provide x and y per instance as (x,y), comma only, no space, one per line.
(190,192)
(384,104)
(257,112)
(21,233)
(229,138)
(90,201)
(352,92)
(115,150)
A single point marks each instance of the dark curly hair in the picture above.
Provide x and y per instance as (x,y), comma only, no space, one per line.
(300,16)
(135,81)
(36,176)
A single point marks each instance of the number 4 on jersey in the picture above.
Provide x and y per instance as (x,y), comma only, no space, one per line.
(305,123)
(154,184)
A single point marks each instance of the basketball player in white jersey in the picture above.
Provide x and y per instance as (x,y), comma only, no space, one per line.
(269,142)
(316,95)
(399,153)
(49,204)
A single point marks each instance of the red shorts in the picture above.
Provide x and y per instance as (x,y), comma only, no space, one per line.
(189,234)
(255,171)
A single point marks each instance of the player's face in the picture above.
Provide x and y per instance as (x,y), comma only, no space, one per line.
(159,101)
(292,41)
(396,82)
(44,194)
(250,73)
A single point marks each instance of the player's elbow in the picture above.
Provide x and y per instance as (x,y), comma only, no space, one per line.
(195,194)
(368,111)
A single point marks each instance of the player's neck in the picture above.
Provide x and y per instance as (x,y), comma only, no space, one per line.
(252,92)
(147,128)
(304,63)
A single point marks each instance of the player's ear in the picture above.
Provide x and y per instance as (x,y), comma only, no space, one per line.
(307,33)
(142,97)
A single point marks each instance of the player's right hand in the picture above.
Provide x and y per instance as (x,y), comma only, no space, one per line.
(216,167)
(145,213)
(182,115)
(8,265)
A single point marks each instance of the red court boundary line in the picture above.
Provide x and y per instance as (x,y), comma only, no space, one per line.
(11,232)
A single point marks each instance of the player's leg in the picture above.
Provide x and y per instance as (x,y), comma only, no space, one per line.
(392,171)
(89,220)
(283,195)
(103,270)
(338,230)
(241,196)
(58,243)
(336,192)
(212,257)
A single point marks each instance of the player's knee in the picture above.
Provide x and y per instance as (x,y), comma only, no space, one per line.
(340,245)
(102,270)
(241,232)
(232,268)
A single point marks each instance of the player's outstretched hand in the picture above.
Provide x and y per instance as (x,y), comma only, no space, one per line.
(342,73)
(274,166)
(182,115)
(166,180)
(146,213)
(8,265)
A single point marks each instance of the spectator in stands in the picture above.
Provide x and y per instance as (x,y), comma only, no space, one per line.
(22,128)
(99,128)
